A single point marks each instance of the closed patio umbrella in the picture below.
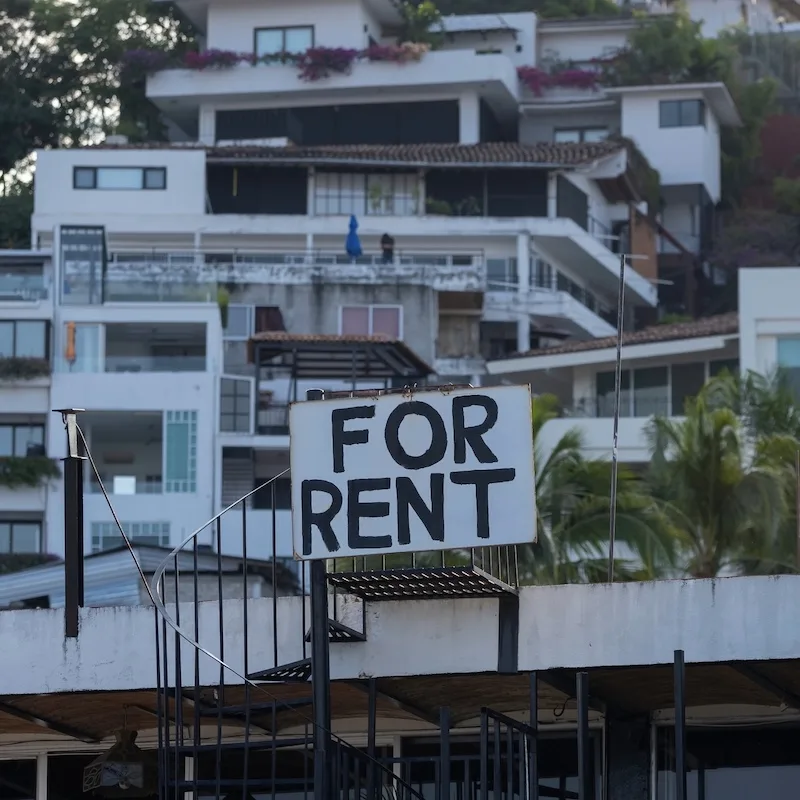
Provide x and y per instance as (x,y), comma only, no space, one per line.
(352,244)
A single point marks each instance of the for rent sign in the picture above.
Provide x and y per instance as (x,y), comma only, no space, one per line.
(434,470)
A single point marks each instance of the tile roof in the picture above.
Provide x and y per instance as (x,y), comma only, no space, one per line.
(321,338)
(720,325)
(499,153)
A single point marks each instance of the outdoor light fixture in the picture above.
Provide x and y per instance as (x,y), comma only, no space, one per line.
(122,771)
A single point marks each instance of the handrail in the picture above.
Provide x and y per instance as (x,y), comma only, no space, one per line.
(518,726)
(154,592)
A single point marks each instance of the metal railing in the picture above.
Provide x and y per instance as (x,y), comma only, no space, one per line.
(631,405)
(23,288)
(148,363)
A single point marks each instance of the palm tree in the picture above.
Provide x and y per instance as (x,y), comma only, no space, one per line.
(722,484)
(573,515)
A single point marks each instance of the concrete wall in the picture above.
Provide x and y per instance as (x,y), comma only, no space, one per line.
(767,310)
(536,126)
(186,185)
(337,23)
(681,155)
(316,308)
(621,624)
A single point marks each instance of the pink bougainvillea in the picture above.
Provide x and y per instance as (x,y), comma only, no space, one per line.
(539,80)
(314,64)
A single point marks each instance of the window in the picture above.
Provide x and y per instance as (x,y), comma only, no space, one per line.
(370,320)
(570,135)
(23,339)
(180,452)
(235,406)
(725,365)
(239,323)
(501,274)
(262,499)
(106,535)
(340,193)
(269,41)
(650,392)
(83,353)
(119,178)
(21,440)
(681,113)
(20,537)
(687,381)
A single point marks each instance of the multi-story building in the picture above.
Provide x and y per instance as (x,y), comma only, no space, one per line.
(492,210)
(662,366)
(26,425)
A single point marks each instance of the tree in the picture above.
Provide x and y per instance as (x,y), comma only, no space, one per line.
(573,508)
(722,482)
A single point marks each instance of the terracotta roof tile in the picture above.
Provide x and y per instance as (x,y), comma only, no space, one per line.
(498,153)
(313,338)
(720,325)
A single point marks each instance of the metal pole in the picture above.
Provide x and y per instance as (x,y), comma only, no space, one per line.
(612,528)
(320,666)
(73,524)
(533,755)
(680,726)
(585,788)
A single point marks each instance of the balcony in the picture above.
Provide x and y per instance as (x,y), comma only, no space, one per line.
(22,286)
(171,278)
(441,71)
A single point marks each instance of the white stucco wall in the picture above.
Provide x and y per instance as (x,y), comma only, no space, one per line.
(768,309)
(681,155)
(185,192)
(624,624)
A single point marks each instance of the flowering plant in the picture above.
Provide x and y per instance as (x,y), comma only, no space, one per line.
(320,62)
(212,59)
(539,80)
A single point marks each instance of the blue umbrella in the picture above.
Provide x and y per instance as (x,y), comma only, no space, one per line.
(353,244)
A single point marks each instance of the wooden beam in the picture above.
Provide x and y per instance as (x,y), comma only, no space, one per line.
(49,724)
(403,705)
(755,676)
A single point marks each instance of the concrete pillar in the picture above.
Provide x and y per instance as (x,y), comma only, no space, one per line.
(628,768)
(469,119)
(552,195)
(207,126)
(523,289)
(312,191)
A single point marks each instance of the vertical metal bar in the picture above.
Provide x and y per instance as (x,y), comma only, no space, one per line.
(246,659)
(612,526)
(221,686)
(165,673)
(178,682)
(522,756)
(498,788)
(73,524)
(372,724)
(533,753)
(444,753)
(680,725)
(585,785)
(160,710)
(320,666)
(274,752)
(196,695)
(274,560)
(509,762)
(484,765)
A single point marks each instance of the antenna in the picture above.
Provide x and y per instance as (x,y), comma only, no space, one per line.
(612,527)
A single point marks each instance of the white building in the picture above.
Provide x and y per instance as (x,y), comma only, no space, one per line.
(662,366)
(507,203)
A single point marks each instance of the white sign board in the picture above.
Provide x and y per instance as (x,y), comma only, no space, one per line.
(436,470)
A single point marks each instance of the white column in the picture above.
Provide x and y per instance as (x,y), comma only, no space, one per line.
(469,119)
(207,126)
(312,183)
(41,777)
(552,195)
(523,288)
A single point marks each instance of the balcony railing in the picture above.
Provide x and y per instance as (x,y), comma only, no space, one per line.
(187,276)
(148,363)
(23,288)
(273,420)
(142,486)
(632,404)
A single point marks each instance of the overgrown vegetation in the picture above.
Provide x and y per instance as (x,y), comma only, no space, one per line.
(28,471)
(545,9)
